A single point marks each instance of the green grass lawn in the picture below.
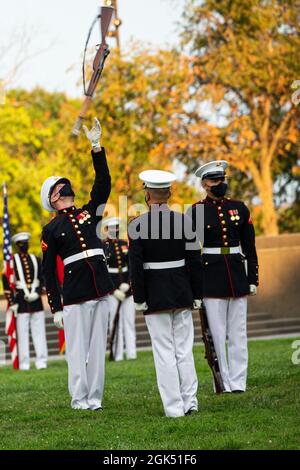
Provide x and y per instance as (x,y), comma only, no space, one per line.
(35,408)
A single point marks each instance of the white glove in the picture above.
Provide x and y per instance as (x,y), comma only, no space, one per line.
(253,289)
(119,295)
(197,304)
(58,320)
(124,287)
(141,307)
(14,308)
(94,135)
(31,297)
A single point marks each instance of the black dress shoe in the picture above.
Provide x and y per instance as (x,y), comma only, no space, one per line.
(190,412)
(237,391)
(97,409)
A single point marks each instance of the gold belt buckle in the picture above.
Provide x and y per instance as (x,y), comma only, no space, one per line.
(225,250)
(88,253)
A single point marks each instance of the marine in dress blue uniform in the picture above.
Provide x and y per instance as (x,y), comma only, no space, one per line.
(166,282)
(27,303)
(230,271)
(73,235)
(116,251)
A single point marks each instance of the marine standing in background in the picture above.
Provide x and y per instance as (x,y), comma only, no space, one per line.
(117,259)
(230,271)
(27,304)
(73,236)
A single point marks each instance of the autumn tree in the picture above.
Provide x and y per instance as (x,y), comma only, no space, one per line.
(139,96)
(28,154)
(245,56)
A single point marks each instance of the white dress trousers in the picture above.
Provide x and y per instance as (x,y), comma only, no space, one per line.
(36,322)
(126,328)
(85,328)
(228,318)
(172,338)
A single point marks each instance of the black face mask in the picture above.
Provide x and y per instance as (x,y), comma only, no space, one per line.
(219,190)
(23,247)
(66,190)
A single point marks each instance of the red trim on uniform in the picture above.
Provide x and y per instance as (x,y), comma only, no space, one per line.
(209,203)
(92,269)
(230,280)
(199,202)
(233,200)
(228,270)
(85,260)
(44,246)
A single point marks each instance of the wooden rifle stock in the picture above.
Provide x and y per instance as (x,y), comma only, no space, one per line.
(82,114)
(98,64)
(210,352)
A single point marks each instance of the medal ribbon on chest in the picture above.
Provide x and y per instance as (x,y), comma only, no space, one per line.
(234,214)
(83,217)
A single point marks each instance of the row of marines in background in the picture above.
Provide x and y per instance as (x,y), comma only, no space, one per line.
(169,277)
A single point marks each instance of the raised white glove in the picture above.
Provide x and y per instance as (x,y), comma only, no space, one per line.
(58,320)
(141,307)
(197,304)
(253,289)
(31,297)
(94,135)
(14,308)
(119,295)
(124,287)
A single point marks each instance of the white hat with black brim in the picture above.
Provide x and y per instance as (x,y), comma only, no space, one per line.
(212,170)
(21,237)
(157,179)
(47,189)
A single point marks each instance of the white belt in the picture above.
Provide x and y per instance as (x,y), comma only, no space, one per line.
(20,285)
(165,264)
(83,255)
(230,250)
(117,270)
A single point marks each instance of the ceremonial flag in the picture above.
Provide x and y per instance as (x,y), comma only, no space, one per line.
(8,272)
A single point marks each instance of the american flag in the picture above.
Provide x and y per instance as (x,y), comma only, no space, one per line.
(11,328)
(60,278)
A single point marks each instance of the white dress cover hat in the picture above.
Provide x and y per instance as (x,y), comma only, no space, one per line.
(212,170)
(48,185)
(157,179)
(21,237)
